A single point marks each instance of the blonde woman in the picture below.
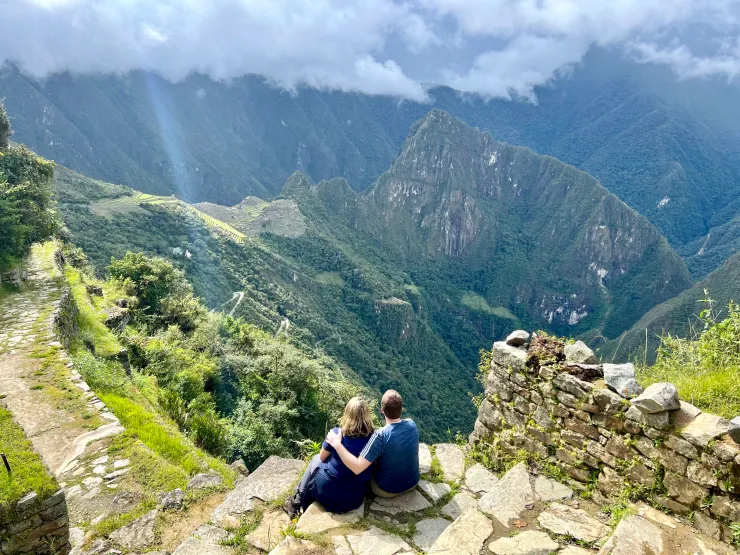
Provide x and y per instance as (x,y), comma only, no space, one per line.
(327,479)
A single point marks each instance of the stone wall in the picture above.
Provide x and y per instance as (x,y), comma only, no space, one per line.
(65,318)
(33,525)
(558,405)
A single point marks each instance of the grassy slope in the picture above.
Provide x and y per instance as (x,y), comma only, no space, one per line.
(677,316)
(28,470)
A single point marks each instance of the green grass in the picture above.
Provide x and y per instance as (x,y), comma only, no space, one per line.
(90,319)
(28,470)
(706,369)
(329,278)
(475,302)
(714,390)
(162,438)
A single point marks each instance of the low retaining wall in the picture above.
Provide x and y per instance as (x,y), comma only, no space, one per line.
(596,424)
(35,526)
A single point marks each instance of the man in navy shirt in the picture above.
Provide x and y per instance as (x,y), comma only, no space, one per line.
(394,448)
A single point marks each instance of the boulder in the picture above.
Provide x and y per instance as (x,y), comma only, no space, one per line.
(316,519)
(425,459)
(269,482)
(411,501)
(621,378)
(451,460)
(704,428)
(465,536)
(634,536)
(435,491)
(205,540)
(479,480)
(268,532)
(659,397)
(428,530)
(517,338)
(509,497)
(735,429)
(563,520)
(579,353)
(171,501)
(546,489)
(574,550)
(138,535)
(508,357)
(462,502)
(205,481)
(526,543)
(374,542)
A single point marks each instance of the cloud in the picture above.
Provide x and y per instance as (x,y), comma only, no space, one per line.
(686,65)
(489,47)
(323,43)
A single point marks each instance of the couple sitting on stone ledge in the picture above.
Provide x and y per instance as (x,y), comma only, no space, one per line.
(343,472)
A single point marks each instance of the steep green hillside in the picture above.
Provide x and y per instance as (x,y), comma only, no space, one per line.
(677,316)
(461,241)
(335,300)
(666,148)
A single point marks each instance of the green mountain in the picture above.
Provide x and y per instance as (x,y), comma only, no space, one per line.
(678,316)
(665,148)
(462,240)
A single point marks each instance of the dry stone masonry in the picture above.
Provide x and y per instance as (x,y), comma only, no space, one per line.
(595,423)
(35,525)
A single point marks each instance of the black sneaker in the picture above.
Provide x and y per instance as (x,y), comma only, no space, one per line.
(292,506)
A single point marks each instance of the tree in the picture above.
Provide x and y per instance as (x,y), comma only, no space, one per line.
(5,131)
(165,296)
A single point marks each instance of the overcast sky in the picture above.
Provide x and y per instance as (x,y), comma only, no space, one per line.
(490,47)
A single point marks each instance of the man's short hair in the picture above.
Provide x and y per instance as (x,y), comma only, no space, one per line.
(392,404)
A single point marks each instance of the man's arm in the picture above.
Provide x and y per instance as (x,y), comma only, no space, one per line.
(355,464)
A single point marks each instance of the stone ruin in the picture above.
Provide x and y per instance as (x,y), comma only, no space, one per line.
(558,405)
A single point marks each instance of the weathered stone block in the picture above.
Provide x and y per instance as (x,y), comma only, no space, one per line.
(508,356)
(617,447)
(684,490)
(698,473)
(681,446)
(608,421)
(542,418)
(573,438)
(568,400)
(579,352)
(726,507)
(646,447)
(573,385)
(523,406)
(497,386)
(517,338)
(608,401)
(610,483)
(582,428)
(658,397)
(704,523)
(673,461)
(489,415)
(557,410)
(599,451)
(660,420)
(684,415)
(704,428)
(621,378)
(640,474)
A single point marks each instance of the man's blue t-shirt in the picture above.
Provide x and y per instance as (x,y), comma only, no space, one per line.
(396,449)
(335,485)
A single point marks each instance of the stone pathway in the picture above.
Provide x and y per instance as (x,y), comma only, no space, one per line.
(48,398)
(478,513)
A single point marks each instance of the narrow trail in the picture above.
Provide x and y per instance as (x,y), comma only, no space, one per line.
(46,395)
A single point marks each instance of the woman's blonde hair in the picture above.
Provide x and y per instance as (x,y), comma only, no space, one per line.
(357,420)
